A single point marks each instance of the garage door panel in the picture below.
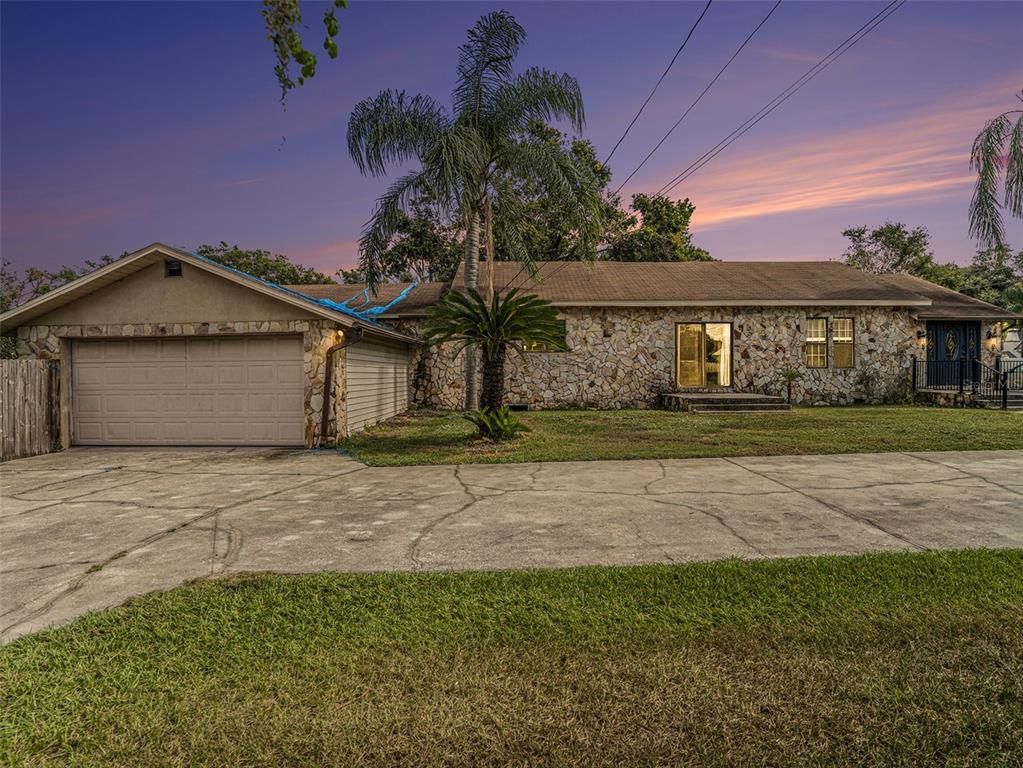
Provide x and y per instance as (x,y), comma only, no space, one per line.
(228,391)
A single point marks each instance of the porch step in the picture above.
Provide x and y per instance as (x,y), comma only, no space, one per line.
(722,402)
(742,408)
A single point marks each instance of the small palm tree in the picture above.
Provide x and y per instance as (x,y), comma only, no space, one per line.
(789,375)
(473,157)
(510,321)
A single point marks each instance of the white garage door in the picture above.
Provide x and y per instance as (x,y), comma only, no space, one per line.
(377,383)
(195,391)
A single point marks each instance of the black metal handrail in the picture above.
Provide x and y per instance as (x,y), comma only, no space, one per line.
(964,375)
(991,383)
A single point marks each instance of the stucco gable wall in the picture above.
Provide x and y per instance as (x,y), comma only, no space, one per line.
(147,296)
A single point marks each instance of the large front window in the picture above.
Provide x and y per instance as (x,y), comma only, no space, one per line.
(704,354)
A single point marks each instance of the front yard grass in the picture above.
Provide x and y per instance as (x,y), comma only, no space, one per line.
(874,660)
(430,437)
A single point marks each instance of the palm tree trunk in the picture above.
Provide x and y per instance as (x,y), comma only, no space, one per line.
(472,266)
(493,381)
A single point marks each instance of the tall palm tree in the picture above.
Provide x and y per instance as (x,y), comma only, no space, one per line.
(997,149)
(509,321)
(472,157)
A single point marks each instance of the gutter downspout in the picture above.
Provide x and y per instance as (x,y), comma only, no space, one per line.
(328,377)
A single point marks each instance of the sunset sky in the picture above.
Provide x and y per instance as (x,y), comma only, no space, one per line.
(127,123)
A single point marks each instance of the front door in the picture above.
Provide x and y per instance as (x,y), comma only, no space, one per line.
(949,345)
(703,354)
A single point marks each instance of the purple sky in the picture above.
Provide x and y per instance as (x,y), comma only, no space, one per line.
(125,123)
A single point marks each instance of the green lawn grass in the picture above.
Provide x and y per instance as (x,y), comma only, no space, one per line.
(445,438)
(876,660)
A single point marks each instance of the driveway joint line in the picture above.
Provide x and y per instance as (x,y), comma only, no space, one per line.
(836,509)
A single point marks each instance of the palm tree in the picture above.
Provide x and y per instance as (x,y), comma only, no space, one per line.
(510,321)
(472,158)
(997,149)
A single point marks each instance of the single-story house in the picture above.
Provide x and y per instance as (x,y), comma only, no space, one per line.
(165,347)
(637,330)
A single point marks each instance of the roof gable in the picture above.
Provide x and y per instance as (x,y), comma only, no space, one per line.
(157,252)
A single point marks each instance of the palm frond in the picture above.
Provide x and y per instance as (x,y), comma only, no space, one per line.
(538,94)
(985,158)
(485,62)
(393,128)
(390,212)
(1014,171)
(466,319)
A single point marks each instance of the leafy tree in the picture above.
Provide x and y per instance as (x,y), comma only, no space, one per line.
(274,268)
(995,275)
(997,154)
(510,321)
(663,233)
(422,249)
(283,20)
(549,230)
(472,158)
(892,247)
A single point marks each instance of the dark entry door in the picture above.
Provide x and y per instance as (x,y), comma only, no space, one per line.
(951,344)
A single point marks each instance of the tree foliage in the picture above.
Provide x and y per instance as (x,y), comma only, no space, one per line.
(423,248)
(477,158)
(548,230)
(283,20)
(892,247)
(274,268)
(997,157)
(994,275)
(662,234)
(511,320)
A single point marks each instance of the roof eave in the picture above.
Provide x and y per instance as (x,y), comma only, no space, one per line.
(751,303)
(14,318)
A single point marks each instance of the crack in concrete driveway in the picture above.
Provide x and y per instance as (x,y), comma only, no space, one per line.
(88,528)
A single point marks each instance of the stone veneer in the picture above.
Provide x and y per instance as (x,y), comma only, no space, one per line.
(625,358)
(53,342)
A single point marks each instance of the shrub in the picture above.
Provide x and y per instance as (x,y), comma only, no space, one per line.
(495,423)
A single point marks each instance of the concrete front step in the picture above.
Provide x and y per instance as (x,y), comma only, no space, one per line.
(742,408)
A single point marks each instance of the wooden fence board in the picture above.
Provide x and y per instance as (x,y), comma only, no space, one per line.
(30,411)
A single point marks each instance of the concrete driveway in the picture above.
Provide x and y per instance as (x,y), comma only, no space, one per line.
(88,528)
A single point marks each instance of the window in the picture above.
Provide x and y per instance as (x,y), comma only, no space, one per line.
(842,355)
(817,342)
(172,268)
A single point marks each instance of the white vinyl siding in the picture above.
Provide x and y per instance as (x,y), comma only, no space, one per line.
(188,391)
(377,380)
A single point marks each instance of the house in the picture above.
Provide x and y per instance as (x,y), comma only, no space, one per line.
(163,347)
(166,347)
(637,330)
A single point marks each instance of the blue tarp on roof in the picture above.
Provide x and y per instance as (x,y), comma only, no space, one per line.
(368,315)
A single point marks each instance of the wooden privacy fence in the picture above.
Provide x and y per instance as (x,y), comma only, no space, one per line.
(30,411)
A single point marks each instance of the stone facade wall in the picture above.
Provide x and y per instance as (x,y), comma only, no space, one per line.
(50,342)
(625,358)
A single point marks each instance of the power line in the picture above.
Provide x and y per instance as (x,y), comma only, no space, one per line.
(702,94)
(659,80)
(782,97)
(776,102)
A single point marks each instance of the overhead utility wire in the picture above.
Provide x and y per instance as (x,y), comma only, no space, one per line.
(659,80)
(781,98)
(702,94)
(823,64)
